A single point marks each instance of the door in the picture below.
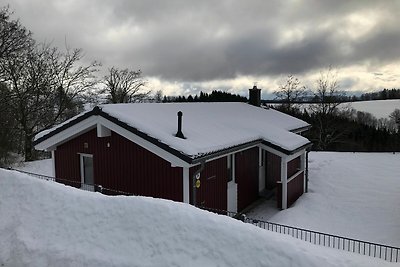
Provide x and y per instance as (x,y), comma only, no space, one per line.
(87,177)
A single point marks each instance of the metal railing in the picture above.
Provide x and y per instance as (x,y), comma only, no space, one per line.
(385,252)
(76,184)
(388,253)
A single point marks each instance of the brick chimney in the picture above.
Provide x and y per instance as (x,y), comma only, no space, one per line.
(255,96)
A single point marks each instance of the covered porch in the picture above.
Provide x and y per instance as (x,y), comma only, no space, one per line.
(282,177)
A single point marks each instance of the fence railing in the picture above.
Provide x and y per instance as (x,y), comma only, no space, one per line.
(76,184)
(388,253)
(385,252)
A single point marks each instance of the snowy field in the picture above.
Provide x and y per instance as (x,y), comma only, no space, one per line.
(378,108)
(48,224)
(355,195)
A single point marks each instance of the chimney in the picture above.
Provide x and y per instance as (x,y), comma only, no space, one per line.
(179,132)
(255,96)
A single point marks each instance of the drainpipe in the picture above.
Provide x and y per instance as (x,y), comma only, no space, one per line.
(194,182)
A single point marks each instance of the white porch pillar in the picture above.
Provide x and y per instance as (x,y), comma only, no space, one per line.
(185,181)
(261,170)
(232,185)
(303,168)
(284,181)
(53,163)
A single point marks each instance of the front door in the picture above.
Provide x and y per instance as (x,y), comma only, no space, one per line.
(87,178)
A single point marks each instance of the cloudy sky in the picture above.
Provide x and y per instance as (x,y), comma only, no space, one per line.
(185,46)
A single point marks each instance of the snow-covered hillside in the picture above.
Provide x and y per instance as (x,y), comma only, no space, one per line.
(49,224)
(378,108)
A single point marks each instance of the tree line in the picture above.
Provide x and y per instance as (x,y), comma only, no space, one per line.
(42,85)
(214,96)
(380,95)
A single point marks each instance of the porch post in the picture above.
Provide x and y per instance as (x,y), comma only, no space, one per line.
(53,162)
(284,181)
(261,170)
(303,168)
(185,177)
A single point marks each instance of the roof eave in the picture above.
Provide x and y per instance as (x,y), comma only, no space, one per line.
(301,129)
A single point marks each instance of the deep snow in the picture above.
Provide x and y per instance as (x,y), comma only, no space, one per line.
(350,194)
(48,224)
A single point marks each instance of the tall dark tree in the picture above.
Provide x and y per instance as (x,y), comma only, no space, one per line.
(14,40)
(125,86)
(14,37)
(395,118)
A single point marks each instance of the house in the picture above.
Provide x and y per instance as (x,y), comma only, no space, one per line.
(217,155)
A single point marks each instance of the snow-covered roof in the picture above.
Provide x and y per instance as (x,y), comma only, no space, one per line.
(207,127)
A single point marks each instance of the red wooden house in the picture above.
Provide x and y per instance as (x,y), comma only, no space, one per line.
(232,151)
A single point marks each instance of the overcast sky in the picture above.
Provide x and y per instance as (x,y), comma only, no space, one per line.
(186,46)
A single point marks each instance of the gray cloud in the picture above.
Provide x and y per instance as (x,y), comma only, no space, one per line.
(196,41)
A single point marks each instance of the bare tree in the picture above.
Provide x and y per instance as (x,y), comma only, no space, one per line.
(158,97)
(45,85)
(327,98)
(125,86)
(290,92)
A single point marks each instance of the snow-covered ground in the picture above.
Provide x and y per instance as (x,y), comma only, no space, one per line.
(378,108)
(48,224)
(350,194)
(43,167)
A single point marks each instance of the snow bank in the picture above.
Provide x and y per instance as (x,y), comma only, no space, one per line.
(48,224)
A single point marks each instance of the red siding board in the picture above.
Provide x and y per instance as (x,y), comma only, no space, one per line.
(279,195)
(273,172)
(293,166)
(246,175)
(123,166)
(213,189)
(295,188)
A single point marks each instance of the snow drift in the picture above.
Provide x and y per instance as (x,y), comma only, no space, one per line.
(49,224)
